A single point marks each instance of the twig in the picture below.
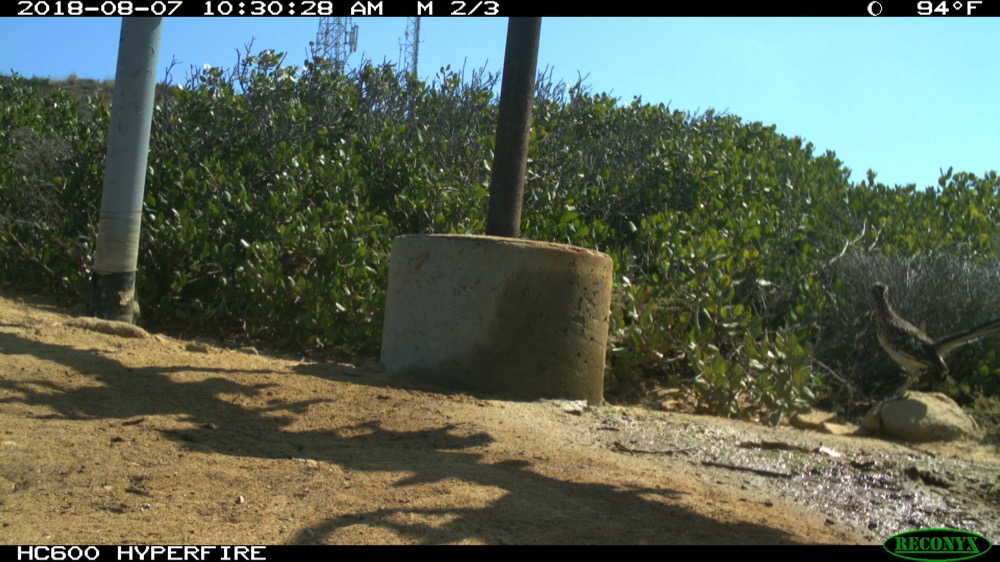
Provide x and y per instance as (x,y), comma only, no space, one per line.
(849,243)
(773,446)
(618,446)
(759,471)
(830,371)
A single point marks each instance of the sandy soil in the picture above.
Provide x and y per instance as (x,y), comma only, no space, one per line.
(127,437)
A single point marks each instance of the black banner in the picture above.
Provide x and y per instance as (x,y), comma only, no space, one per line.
(496,8)
(136,553)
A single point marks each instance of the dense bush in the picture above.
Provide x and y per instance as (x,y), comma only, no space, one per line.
(273,193)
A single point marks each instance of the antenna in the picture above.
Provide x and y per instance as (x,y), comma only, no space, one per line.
(336,39)
(410,46)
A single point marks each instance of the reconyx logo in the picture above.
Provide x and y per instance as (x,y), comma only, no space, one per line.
(938,545)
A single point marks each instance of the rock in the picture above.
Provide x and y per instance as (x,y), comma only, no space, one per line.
(113,327)
(575,407)
(920,416)
(823,422)
(813,419)
(198,347)
(839,428)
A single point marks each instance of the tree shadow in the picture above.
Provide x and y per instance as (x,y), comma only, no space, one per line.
(520,503)
(124,392)
(529,507)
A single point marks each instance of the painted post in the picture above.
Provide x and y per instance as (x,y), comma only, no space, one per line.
(112,283)
(510,157)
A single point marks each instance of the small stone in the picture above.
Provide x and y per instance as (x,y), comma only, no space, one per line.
(197,347)
(575,407)
(813,419)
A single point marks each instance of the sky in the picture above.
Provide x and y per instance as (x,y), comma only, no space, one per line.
(905,97)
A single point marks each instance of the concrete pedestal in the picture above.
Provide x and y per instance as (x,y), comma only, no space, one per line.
(505,316)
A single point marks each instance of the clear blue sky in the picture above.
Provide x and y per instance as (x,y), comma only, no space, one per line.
(904,97)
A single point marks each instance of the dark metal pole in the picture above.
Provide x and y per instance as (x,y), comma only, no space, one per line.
(112,283)
(510,156)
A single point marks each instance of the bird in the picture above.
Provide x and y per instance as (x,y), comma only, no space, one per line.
(913,349)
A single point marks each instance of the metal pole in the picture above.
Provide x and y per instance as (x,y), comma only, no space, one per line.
(113,281)
(510,156)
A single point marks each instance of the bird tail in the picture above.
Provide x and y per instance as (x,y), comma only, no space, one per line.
(948,343)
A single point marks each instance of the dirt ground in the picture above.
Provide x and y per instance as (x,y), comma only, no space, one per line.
(128,437)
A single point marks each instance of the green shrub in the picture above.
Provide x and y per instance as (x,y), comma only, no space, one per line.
(274,192)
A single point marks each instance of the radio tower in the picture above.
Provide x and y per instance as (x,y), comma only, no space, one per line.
(410,46)
(336,39)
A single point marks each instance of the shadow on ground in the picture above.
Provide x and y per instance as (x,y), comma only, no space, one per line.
(449,479)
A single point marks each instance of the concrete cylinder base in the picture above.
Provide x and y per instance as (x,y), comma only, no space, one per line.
(513,317)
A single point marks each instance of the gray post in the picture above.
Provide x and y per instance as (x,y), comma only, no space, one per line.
(112,284)
(510,156)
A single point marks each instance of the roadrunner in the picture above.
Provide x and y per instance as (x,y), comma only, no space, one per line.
(912,348)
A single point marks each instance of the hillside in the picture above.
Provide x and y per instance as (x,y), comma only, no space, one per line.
(114,435)
(743,259)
